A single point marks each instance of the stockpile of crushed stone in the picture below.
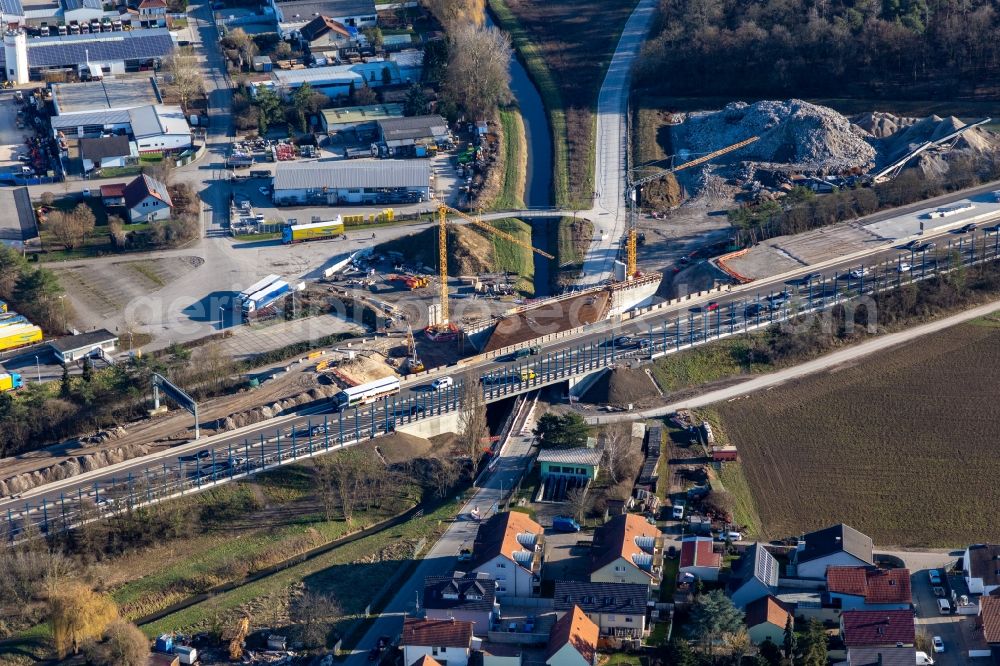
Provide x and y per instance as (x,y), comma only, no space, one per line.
(792,132)
(895,136)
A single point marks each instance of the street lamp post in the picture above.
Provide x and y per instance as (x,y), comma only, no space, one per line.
(38,369)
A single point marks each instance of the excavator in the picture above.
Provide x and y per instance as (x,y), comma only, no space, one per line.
(413,363)
(237,634)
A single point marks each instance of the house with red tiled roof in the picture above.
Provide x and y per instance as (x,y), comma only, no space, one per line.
(446,641)
(766,619)
(877,628)
(867,588)
(989,620)
(572,641)
(699,559)
(627,549)
(510,547)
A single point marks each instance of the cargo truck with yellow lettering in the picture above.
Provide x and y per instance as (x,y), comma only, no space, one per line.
(298,233)
(20,335)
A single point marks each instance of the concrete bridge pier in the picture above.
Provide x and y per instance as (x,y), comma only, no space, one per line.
(581,384)
(433,426)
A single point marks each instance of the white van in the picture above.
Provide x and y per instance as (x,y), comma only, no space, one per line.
(944,607)
(924,659)
(442,383)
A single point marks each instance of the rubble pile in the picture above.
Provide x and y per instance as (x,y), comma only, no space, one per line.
(793,133)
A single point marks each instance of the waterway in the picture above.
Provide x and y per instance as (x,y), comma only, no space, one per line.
(538,176)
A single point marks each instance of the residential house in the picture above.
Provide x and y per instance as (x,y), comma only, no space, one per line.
(894,655)
(572,641)
(500,654)
(468,597)
(755,576)
(293,15)
(324,34)
(989,620)
(877,628)
(106,151)
(699,559)
(618,609)
(578,465)
(627,549)
(152,13)
(449,642)
(982,568)
(510,548)
(839,545)
(113,195)
(766,618)
(865,588)
(147,200)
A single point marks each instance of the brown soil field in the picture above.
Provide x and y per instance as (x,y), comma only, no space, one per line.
(901,446)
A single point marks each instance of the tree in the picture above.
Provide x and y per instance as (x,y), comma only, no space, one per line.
(472,424)
(12,264)
(814,645)
(679,653)
(789,642)
(769,652)
(567,431)
(578,502)
(186,79)
(65,388)
(239,41)
(314,613)
(374,36)
(268,108)
(88,370)
(454,13)
(416,101)
(478,75)
(77,614)
(116,227)
(721,502)
(306,102)
(363,95)
(620,454)
(712,616)
(70,229)
(737,643)
(124,645)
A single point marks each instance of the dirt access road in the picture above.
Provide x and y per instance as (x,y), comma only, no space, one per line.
(820,364)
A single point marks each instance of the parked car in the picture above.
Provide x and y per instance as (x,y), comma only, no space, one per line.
(565,524)
(934,576)
(938,644)
(938,591)
(944,607)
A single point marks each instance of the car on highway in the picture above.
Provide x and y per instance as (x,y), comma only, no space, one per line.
(904,267)
(967,228)
(526,375)
(204,454)
(858,273)
(938,644)
(935,576)
(753,309)
(442,383)
(923,247)
(992,231)
(713,306)
(911,244)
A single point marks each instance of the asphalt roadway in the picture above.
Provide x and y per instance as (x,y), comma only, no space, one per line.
(318,427)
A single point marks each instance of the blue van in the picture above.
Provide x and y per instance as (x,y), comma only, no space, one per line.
(565,524)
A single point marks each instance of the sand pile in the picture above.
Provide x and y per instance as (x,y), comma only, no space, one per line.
(792,132)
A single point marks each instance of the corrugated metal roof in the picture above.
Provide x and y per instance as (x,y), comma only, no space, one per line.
(357,114)
(11,8)
(106,94)
(108,46)
(336,74)
(576,456)
(337,9)
(352,174)
(116,117)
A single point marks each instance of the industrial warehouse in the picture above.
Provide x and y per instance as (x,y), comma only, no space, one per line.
(352,182)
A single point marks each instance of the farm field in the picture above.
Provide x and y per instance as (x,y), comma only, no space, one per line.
(900,446)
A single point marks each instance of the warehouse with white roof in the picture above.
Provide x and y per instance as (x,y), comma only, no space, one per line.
(341,182)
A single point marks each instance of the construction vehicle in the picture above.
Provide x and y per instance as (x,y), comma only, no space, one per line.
(413,362)
(411,281)
(236,634)
(631,236)
(444,329)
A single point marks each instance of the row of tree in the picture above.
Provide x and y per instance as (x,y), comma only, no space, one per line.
(900,48)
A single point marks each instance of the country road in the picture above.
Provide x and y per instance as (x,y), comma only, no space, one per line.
(820,364)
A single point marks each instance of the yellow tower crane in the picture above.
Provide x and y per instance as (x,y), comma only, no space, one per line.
(630,244)
(444,325)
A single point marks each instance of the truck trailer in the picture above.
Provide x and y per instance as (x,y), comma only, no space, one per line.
(13,320)
(297,233)
(19,335)
(242,297)
(265,297)
(10,381)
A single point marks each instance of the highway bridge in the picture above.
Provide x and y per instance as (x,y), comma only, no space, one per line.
(572,357)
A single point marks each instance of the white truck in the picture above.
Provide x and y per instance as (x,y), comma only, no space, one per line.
(678,509)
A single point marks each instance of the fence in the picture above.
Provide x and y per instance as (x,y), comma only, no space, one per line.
(225,458)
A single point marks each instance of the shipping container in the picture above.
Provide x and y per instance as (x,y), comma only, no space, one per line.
(296,233)
(10,381)
(19,336)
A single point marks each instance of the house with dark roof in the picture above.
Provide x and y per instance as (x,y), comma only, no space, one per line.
(627,549)
(500,654)
(867,588)
(618,609)
(877,628)
(982,568)
(755,576)
(882,656)
(699,559)
(765,619)
(572,641)
(839,545)
(468,597)
(70,348)
(510,548)
(323,34)
(147,200)
(106,151)
(293,15)
(447,641)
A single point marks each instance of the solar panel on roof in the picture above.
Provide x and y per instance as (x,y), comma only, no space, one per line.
(71,50)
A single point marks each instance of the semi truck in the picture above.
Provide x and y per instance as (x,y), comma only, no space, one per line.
(19,335)
(297,233)
(253,289)
(265,297)
(10,381)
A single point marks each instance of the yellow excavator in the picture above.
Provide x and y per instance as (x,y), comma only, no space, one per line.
(413,362)
(237,634)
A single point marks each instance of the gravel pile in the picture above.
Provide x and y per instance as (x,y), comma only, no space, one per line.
(793,133)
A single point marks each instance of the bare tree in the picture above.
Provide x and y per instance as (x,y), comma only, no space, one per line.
(77,614)
(71,228)
(579,502)
(472,424)
(446,477)
(315,613)
(478,75)
(186,78)
(124,645)
(454,13)
(620,454)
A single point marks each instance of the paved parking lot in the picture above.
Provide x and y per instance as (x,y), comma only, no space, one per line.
(11,138)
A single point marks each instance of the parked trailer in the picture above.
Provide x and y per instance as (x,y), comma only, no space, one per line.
(19,335)
(364,394)
(254,288)
(10,381)
(265,297)
(13,320)
(296,233)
